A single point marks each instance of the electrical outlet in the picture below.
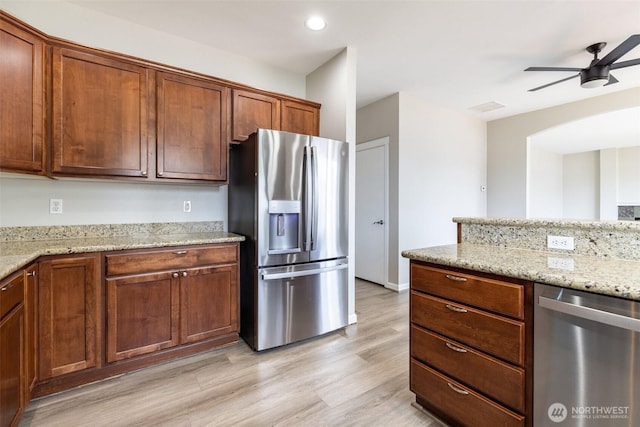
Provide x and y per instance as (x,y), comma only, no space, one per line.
(560,242)
(186,206)
(55,206)
(560,263)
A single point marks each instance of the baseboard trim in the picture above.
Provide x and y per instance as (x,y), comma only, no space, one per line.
(397,287)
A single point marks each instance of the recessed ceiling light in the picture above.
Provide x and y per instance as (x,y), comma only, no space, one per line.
(315,23)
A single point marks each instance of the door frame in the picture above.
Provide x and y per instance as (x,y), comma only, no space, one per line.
(384,143)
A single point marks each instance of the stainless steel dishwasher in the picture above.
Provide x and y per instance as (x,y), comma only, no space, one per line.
(586,362)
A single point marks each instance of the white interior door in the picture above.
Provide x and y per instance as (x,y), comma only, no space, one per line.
(372,202)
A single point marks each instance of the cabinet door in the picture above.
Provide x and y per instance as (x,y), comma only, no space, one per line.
(251,111)
(300,118)
(21,100)
(208,302)
(31,348)
(99,115)
(142,314)
(68,301)
(11,366)
(191,117)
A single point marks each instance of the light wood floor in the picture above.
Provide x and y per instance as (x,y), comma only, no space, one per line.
(356,377)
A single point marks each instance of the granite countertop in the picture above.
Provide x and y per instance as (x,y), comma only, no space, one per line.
(608,276)
(17,254)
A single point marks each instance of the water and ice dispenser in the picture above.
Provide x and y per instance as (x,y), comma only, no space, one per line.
(284,226)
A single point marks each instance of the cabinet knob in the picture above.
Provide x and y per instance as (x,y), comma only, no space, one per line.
(31,274)
(184,274)
(160,173)
(7,287)
(175,275)
(143,173)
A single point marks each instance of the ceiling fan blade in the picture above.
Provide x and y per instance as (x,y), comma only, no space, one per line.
(553,83)
(623,64)
(552,69)
(611,81)
(621,50)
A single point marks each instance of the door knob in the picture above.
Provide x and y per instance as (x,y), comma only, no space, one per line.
(379,222)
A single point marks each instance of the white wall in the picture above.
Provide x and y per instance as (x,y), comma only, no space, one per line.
(442,167)
(334,86)
(629,176)
(544,183)
(376,120)
(581,186)
(507,140)
(608,184)
(25,201)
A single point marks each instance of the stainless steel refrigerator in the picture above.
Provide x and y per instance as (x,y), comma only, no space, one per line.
(288,195)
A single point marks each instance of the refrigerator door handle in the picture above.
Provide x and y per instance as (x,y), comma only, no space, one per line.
(314,197)
(308,197)
(286,275)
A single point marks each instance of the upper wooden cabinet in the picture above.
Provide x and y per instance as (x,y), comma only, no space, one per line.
(300,117)
(191,130)
(21,100)
(252,110)
(69,110)
(99,115)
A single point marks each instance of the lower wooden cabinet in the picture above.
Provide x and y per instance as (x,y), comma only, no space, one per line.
(69,315)
(31,276)
(12,351)
(471,346)
(142,314)
(208,303)
(158,299)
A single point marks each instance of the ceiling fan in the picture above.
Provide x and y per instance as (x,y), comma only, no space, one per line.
(597,73)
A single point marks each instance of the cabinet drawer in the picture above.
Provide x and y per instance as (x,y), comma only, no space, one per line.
(11,294)
(462,404)
(496,335)
(496,379)
(169,259)
(494,295)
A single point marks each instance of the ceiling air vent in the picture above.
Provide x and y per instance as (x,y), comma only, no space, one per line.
(487,106)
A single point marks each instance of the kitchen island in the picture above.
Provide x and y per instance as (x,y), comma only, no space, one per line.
(472,308)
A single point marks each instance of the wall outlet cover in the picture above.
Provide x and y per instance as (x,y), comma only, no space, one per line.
(55,206)
(560,242)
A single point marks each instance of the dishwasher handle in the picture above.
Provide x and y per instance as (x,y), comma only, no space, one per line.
(589,313)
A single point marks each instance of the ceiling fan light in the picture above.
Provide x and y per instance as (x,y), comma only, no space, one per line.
(594,77)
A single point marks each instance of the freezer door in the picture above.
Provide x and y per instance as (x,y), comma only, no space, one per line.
(280,208)
(329,211)
(300,302)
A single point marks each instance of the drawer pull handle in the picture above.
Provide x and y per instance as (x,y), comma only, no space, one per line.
(455,347)
(7,287)
(31,274)
(180,252)
(455,278)
(456,309)
(457,389)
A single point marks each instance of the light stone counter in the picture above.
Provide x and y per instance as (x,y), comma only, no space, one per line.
(606,258)
(607,276)
(30,242)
